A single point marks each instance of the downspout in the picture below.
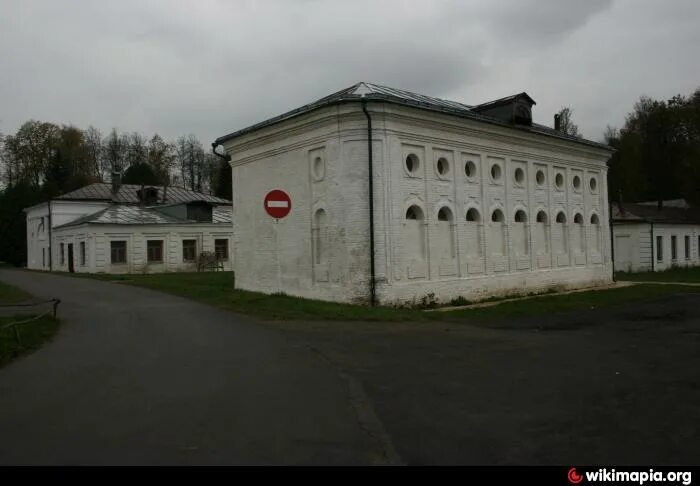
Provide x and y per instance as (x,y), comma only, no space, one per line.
(372,277)
(227,158)
(653,251)
(50,240)
(612,241)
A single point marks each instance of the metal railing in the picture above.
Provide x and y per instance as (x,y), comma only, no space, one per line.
(15,324)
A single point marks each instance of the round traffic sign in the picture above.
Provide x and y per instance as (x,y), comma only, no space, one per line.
(278,204)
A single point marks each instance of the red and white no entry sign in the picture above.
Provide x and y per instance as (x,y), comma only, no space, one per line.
(278,204)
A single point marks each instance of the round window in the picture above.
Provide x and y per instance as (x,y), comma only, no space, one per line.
(519,175)
(443,166)
(593,184)
(577,183)
(470,169)
(412,163)
(496,172)
(559,181)
(540,178)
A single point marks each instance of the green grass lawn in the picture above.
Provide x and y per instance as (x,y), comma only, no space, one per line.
(679,274)
(216,288)
(32,334)
(11,295)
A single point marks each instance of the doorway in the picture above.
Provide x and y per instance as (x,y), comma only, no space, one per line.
(71,268)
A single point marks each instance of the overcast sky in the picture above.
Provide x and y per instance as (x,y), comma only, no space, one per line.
(211,67)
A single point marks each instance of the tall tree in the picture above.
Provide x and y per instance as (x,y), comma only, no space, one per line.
(566,123)
(161,158)
(192,160)
(93,151)
(223,180)
(114,150)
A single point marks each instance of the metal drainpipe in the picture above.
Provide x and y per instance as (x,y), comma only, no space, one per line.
(50,240)
(612,241)
(372,278)
(227,158)
(653,252)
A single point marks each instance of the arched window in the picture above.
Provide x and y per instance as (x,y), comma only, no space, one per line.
(541,234)
(473,233)
(559,236)
(319,233)
(497,216)
(414,234)
(519,233)
(473,216)
(595,233)
(497,236)
(445,240)
(414,212)
(579,235)
(445,214)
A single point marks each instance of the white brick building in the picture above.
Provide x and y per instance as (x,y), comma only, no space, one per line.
(647,238)
(127,229)
(466,200)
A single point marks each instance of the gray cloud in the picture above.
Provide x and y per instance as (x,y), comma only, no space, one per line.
(210,67)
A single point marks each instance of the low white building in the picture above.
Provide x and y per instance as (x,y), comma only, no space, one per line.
(102,228)
(648,238)
(451,200)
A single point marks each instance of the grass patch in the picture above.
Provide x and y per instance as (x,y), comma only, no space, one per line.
(678,274)
(550,304)
(12,295)
(32,334)
(216,288)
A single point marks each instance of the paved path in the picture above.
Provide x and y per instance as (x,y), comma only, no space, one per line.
(140,377)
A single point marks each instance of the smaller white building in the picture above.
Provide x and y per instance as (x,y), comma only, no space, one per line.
(102,228)
(652,238)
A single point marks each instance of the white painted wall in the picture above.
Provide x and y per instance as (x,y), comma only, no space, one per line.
(97,239)
(62,212)
(634,247)
(416,257)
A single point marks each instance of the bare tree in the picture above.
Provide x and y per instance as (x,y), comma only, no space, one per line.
(114,149)
(566,124)
(93,151)
(192,160)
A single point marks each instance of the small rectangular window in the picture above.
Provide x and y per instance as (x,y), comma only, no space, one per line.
(659,248)
(62,256)
(189,250)
(687,247)
(674,248)
(82,253)
(221,249)
(154,250)
(118,250)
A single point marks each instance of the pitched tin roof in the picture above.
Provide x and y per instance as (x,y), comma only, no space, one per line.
(376,92)
(123,214)
(127,193)
(644,212)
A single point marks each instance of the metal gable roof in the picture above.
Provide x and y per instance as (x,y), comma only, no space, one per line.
(127,193)
(123,214)
(376,92)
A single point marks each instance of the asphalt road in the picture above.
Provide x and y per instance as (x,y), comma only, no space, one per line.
(139,377)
